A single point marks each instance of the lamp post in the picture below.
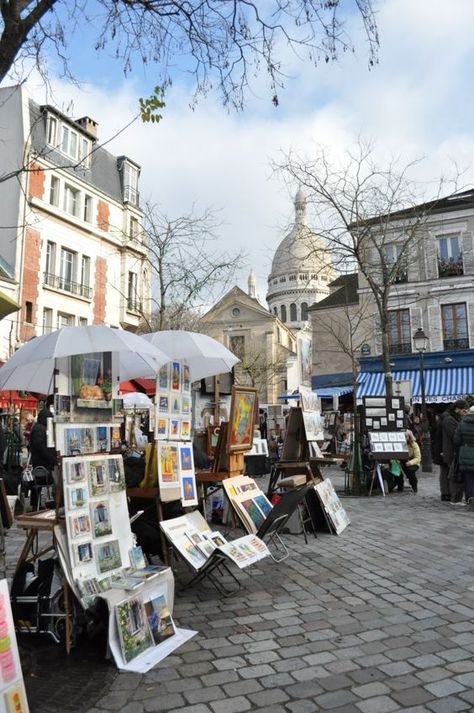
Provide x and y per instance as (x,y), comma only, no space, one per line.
(420,341)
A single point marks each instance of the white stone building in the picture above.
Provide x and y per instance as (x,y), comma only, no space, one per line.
(71,248)
(301,271)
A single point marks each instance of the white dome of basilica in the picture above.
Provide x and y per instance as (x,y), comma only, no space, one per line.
(301,271)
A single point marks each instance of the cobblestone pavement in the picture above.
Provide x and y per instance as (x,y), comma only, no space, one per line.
(376,620)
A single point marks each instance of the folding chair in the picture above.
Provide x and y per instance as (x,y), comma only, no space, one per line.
(278,517)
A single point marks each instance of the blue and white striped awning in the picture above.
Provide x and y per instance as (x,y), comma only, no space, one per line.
(327,392)
(441,385)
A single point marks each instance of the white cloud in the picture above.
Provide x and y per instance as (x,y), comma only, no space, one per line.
(418,100)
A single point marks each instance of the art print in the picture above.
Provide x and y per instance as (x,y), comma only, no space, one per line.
(73,442)
(305,359)
(97,477)
(100,516)
(186,463)
(185,430)
(264,504)
(115,474)
(107,556)
(118,409)
(175,402)
(163,381)
(62,408)
(174,428)
(161,428)
(216,537)
(254,512)
(75,470)
(163,404)
(186,378)
(168,464)
(83,553)
(242,417)
(134,630)
(159,619)
(79,525)
(185,405)
(175,376)
(115,439)
(188,490)
(102,439)
(78,496)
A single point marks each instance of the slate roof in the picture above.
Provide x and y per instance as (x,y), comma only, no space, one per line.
(346,294)
(103,173)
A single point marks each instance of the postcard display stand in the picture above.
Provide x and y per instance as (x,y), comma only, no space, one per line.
(97,554)
(384,423)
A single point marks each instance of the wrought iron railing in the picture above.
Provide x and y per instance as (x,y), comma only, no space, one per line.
(455,344)
(450,267)
(61,283)
(400,348)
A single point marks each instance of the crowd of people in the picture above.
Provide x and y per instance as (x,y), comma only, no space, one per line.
(453,451)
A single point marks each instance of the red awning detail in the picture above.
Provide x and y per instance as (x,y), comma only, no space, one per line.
(13,398)
(145,386)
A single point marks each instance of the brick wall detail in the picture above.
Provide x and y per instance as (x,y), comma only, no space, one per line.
(31,278)
(100,283)
(103,215)
(36,181)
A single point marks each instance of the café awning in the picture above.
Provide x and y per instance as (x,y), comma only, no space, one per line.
(441,385)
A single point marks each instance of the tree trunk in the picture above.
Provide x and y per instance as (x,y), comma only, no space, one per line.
(387,372)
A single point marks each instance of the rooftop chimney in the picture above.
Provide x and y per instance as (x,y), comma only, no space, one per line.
(88,125)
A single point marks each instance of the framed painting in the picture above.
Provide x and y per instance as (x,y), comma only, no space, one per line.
(242,418)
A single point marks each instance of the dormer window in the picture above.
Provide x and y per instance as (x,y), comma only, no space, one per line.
(52,131)
(130,183)
(71,143)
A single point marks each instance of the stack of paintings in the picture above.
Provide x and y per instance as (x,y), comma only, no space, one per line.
(191,536)
(248,501)
(332,506)
(143,622)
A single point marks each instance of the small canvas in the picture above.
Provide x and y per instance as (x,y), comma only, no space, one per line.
(79,525)
(175,405)
(115,474)
(102,439)
(78,496)
(107,556)
(163,404)
(186,461)
(159,619)
(115,439)
(185,405)
(188,490)
(100,516)
(174,428)
(133,627)
(62,408)
(186,385)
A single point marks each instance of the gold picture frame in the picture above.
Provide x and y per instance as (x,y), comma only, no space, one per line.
(243,407)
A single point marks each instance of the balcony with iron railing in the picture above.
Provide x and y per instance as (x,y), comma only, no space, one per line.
(61,283)
(450,267)
(131,195)
(456,345)
(400,348)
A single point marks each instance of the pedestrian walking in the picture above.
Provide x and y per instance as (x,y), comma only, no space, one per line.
(449,421)
(464,446)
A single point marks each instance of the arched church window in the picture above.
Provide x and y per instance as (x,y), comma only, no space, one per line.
(283,313)
(304,311)
(275,311)
(293,313)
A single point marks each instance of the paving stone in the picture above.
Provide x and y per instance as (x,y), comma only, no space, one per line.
(231,705)
(379,704)
(370,690)
(335,699)
(449,704)
(412,696)
(443,688)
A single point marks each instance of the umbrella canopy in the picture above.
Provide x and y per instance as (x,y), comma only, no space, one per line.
(137,399)
(205,355)
(32,367)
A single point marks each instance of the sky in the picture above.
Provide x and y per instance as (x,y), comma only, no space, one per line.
(417,101)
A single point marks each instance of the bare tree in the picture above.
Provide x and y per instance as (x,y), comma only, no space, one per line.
(221,42)
(343,329)
(370,216)
(187,271)
(257,368)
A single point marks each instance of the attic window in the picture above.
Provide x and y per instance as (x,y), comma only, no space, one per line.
(236,312)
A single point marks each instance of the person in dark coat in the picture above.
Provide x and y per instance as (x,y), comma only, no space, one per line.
(41,455)
(449,422)
(464,446)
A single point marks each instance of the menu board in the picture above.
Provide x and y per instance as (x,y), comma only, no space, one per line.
(12,689)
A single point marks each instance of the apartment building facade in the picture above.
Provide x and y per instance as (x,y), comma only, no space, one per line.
(71,239)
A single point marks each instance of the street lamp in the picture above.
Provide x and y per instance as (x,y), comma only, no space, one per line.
(420,341)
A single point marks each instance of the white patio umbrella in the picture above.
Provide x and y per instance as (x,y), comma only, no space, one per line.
(136,399)
(205,355)
(31,368)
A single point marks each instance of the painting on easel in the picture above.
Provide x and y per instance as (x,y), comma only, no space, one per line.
(242,418)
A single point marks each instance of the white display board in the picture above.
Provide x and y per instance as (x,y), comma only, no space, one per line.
(12,689)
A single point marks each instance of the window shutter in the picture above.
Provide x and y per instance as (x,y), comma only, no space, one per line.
(435,331)
(431,257)
(467,254)
(415,320)
(470,322)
